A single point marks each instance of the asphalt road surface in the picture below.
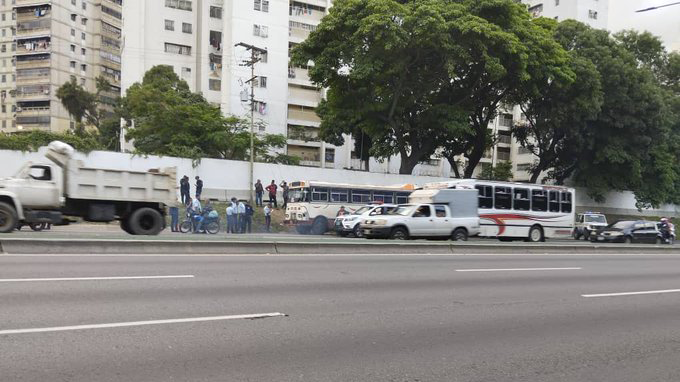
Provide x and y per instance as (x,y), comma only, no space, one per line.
(399,318)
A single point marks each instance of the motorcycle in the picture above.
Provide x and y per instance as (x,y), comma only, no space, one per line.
(667,233)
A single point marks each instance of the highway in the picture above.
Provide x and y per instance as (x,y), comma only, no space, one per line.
(402,318)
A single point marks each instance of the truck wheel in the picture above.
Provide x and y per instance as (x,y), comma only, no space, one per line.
(357,231)
(125,226)
(536,234)
(8,218)
(577,236)
(460,234)
(145,221)
(320,226)
(399,233)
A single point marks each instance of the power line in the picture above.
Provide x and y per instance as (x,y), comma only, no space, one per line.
(657,7)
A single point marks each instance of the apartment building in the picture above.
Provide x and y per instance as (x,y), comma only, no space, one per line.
(44,44)
(592,12)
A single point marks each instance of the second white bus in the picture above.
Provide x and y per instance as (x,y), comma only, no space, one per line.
(512,211)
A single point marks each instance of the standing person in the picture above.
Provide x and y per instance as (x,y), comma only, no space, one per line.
(230,218)
(341,211)
(198,213)
(199,187)
(272,193)
(284,190)
(183,189)
(259,190)
(248,224)
(237,218)
(268,217)
(174,218)
(241,208)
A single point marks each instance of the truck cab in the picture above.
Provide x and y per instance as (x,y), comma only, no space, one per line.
(588,223)
(35,186)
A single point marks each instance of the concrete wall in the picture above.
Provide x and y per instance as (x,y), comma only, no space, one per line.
(226,178)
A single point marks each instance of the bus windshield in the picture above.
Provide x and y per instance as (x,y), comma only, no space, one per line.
(299,195)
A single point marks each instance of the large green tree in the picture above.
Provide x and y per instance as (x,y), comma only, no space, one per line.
(418,75)
(171,120)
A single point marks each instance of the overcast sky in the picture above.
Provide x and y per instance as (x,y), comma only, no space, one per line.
(664,22)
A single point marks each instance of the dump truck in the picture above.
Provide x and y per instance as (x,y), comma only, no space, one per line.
(43,193)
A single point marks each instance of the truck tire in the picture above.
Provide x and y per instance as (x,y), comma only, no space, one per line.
(124,225)
(8,218)
(145,221)
(399,233)
(460,234)
(357,231)
(320,226)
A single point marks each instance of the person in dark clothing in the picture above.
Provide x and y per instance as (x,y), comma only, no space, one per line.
(174,219)
(272,193)
(199,187)
(284,190)
(259,190)
(248,219)
(185,190)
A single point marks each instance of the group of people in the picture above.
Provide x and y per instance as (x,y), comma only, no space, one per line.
(239,212)
(271,189)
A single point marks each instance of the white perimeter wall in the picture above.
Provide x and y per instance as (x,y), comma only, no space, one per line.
(226,178)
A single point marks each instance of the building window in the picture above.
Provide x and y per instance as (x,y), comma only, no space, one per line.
(110,56)
(186,28)
(83,51)
(83,21)
(82,36)
(177,49)
(186,72)
(261,5)
(260,30)
(592,14)
(184,5)
(264,57)
(4,78)
(73,64)
(73,2)
(330,155)
(73,32)
(505,120)
(84,5)
(260,82)
(215,85)
(82,82)
(73,17)
(216,12)
(112,12)
(83,67)
(73,48)
(169,25)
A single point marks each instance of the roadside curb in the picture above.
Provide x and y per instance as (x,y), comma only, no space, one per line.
(179,247)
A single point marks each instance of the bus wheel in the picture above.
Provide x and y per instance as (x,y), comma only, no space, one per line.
(536,234)
(320,226)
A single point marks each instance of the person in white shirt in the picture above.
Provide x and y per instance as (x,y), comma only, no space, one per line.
(268,217)
(230,218)
(241,211)
(197,214)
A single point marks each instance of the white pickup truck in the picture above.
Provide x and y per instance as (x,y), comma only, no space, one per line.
(448,213)
(41,193)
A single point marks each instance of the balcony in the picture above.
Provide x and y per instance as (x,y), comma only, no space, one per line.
(29,64)
(31,16)
(505,139)
(305,15)
(33,96)
(29,47)
(25,3)
(33,79)
(299,76)
(304,116)
(304,95)
(33,28)
(112,78)
(298,34)
(35,111)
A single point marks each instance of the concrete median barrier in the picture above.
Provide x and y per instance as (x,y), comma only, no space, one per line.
(264,247)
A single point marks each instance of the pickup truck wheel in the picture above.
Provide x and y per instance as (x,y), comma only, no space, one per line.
(8,218)
(577,235)
(357,231)
(460,234)
(145,221)
(399,233)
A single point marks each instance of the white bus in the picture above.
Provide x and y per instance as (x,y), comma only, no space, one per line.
(313,206)
(520,210)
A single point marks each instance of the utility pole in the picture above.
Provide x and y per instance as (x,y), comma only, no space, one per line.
(254,58)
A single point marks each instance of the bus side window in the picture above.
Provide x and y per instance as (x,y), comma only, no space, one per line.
(521,199)
(485,196)
(554,205)
(566,202)
(339,195)
(361,196)
(402,197)
(539,201)
(503,198)
(319,194)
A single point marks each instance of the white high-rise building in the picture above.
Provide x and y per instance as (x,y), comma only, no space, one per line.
(199,38)
(592,12)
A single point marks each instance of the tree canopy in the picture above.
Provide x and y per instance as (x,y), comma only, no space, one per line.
(171,120)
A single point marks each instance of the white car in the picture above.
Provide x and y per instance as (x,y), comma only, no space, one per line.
(588,223)
(421,221)
(350,224)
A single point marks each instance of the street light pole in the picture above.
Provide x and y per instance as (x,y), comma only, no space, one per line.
(254,58)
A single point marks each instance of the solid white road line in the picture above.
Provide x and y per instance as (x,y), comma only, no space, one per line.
(141,323)
(632,293)
(98,278)
(518,269)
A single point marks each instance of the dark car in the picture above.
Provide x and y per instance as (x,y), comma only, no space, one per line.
(628,231)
